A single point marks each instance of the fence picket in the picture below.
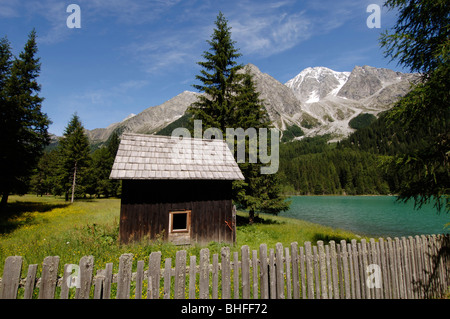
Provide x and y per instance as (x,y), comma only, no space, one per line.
(204,274)
(272,275)
(255,273)
(10,281)
(226,272)
(124,276)
(295,273)
(302,271)
(180,274)
(309,270)
(345,269)
(288,273)
(192,276)
(106,294)
(279,270)
(352,270)
(323,271)
(31,281)
(264,277)
(48,277)
(236,275)
(167,275)
(154,275)
(98,283)
(139,279)
(245,272)
(384,270)
(334,270)
(215,277)
(356,266)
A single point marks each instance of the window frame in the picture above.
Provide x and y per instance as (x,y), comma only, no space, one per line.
(188,221)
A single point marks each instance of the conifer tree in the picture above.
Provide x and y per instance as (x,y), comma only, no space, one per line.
(219,78)
(75,156)
(23,125)
(420,41)
(231,101)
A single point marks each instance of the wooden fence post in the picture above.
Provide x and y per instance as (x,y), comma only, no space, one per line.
(255,273)
(355,254)
(365,264)
(334,275)
(295,273)
(309,270)
(49,277)
(107,281)
(272,275)
(245,272)
(316,271)
(167,275)
(264,277)
(215,277)
(236,275)
(302,271)
(139,279)
(375,260)
(385,292)
(279,268)
(323,271)
(287,259)
(328,260)
(31,281)
(124,276)
(154,265)
(226,272)
(11,277)
(180,274)
(204,273)
(344,255)
(352,270)
(192,276)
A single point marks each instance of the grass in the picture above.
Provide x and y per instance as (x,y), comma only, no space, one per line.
(36,227)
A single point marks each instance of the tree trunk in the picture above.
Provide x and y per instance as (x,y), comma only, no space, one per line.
(4,201)
(74,182)
(251,217)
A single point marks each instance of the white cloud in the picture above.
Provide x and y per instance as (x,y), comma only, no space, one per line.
(9,8)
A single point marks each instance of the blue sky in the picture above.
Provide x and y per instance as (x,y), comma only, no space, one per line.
(130,55)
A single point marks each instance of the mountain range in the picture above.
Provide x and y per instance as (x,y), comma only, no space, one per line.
(318,100)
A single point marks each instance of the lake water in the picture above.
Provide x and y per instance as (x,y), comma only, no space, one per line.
(373,216)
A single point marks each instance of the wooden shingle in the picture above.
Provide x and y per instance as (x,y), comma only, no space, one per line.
(160,157)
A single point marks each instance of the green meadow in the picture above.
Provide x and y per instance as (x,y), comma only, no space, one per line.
(36,227)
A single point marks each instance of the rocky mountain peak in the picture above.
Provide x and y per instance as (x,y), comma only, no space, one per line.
(318,99)
(313,84)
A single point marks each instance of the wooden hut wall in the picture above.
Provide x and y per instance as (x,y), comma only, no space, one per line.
(146,205)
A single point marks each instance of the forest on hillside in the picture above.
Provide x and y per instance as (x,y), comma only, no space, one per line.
(353,166)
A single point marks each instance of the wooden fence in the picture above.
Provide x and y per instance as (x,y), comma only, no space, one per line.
(400,268)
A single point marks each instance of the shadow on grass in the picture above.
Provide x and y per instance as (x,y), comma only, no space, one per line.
(326,238)
(17,214)
(244,221)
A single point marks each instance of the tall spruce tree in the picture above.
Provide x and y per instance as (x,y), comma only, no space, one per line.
(258,192)
(74,156)
(23,125)
(420,41)
(231,101)
(219,78)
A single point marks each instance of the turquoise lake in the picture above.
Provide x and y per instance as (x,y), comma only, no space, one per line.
(373,216)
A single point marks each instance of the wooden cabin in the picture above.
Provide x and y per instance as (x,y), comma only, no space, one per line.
(176,188)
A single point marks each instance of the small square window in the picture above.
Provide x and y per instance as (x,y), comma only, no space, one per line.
(180,221)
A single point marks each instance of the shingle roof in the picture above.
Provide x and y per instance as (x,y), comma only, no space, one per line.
(160,157)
